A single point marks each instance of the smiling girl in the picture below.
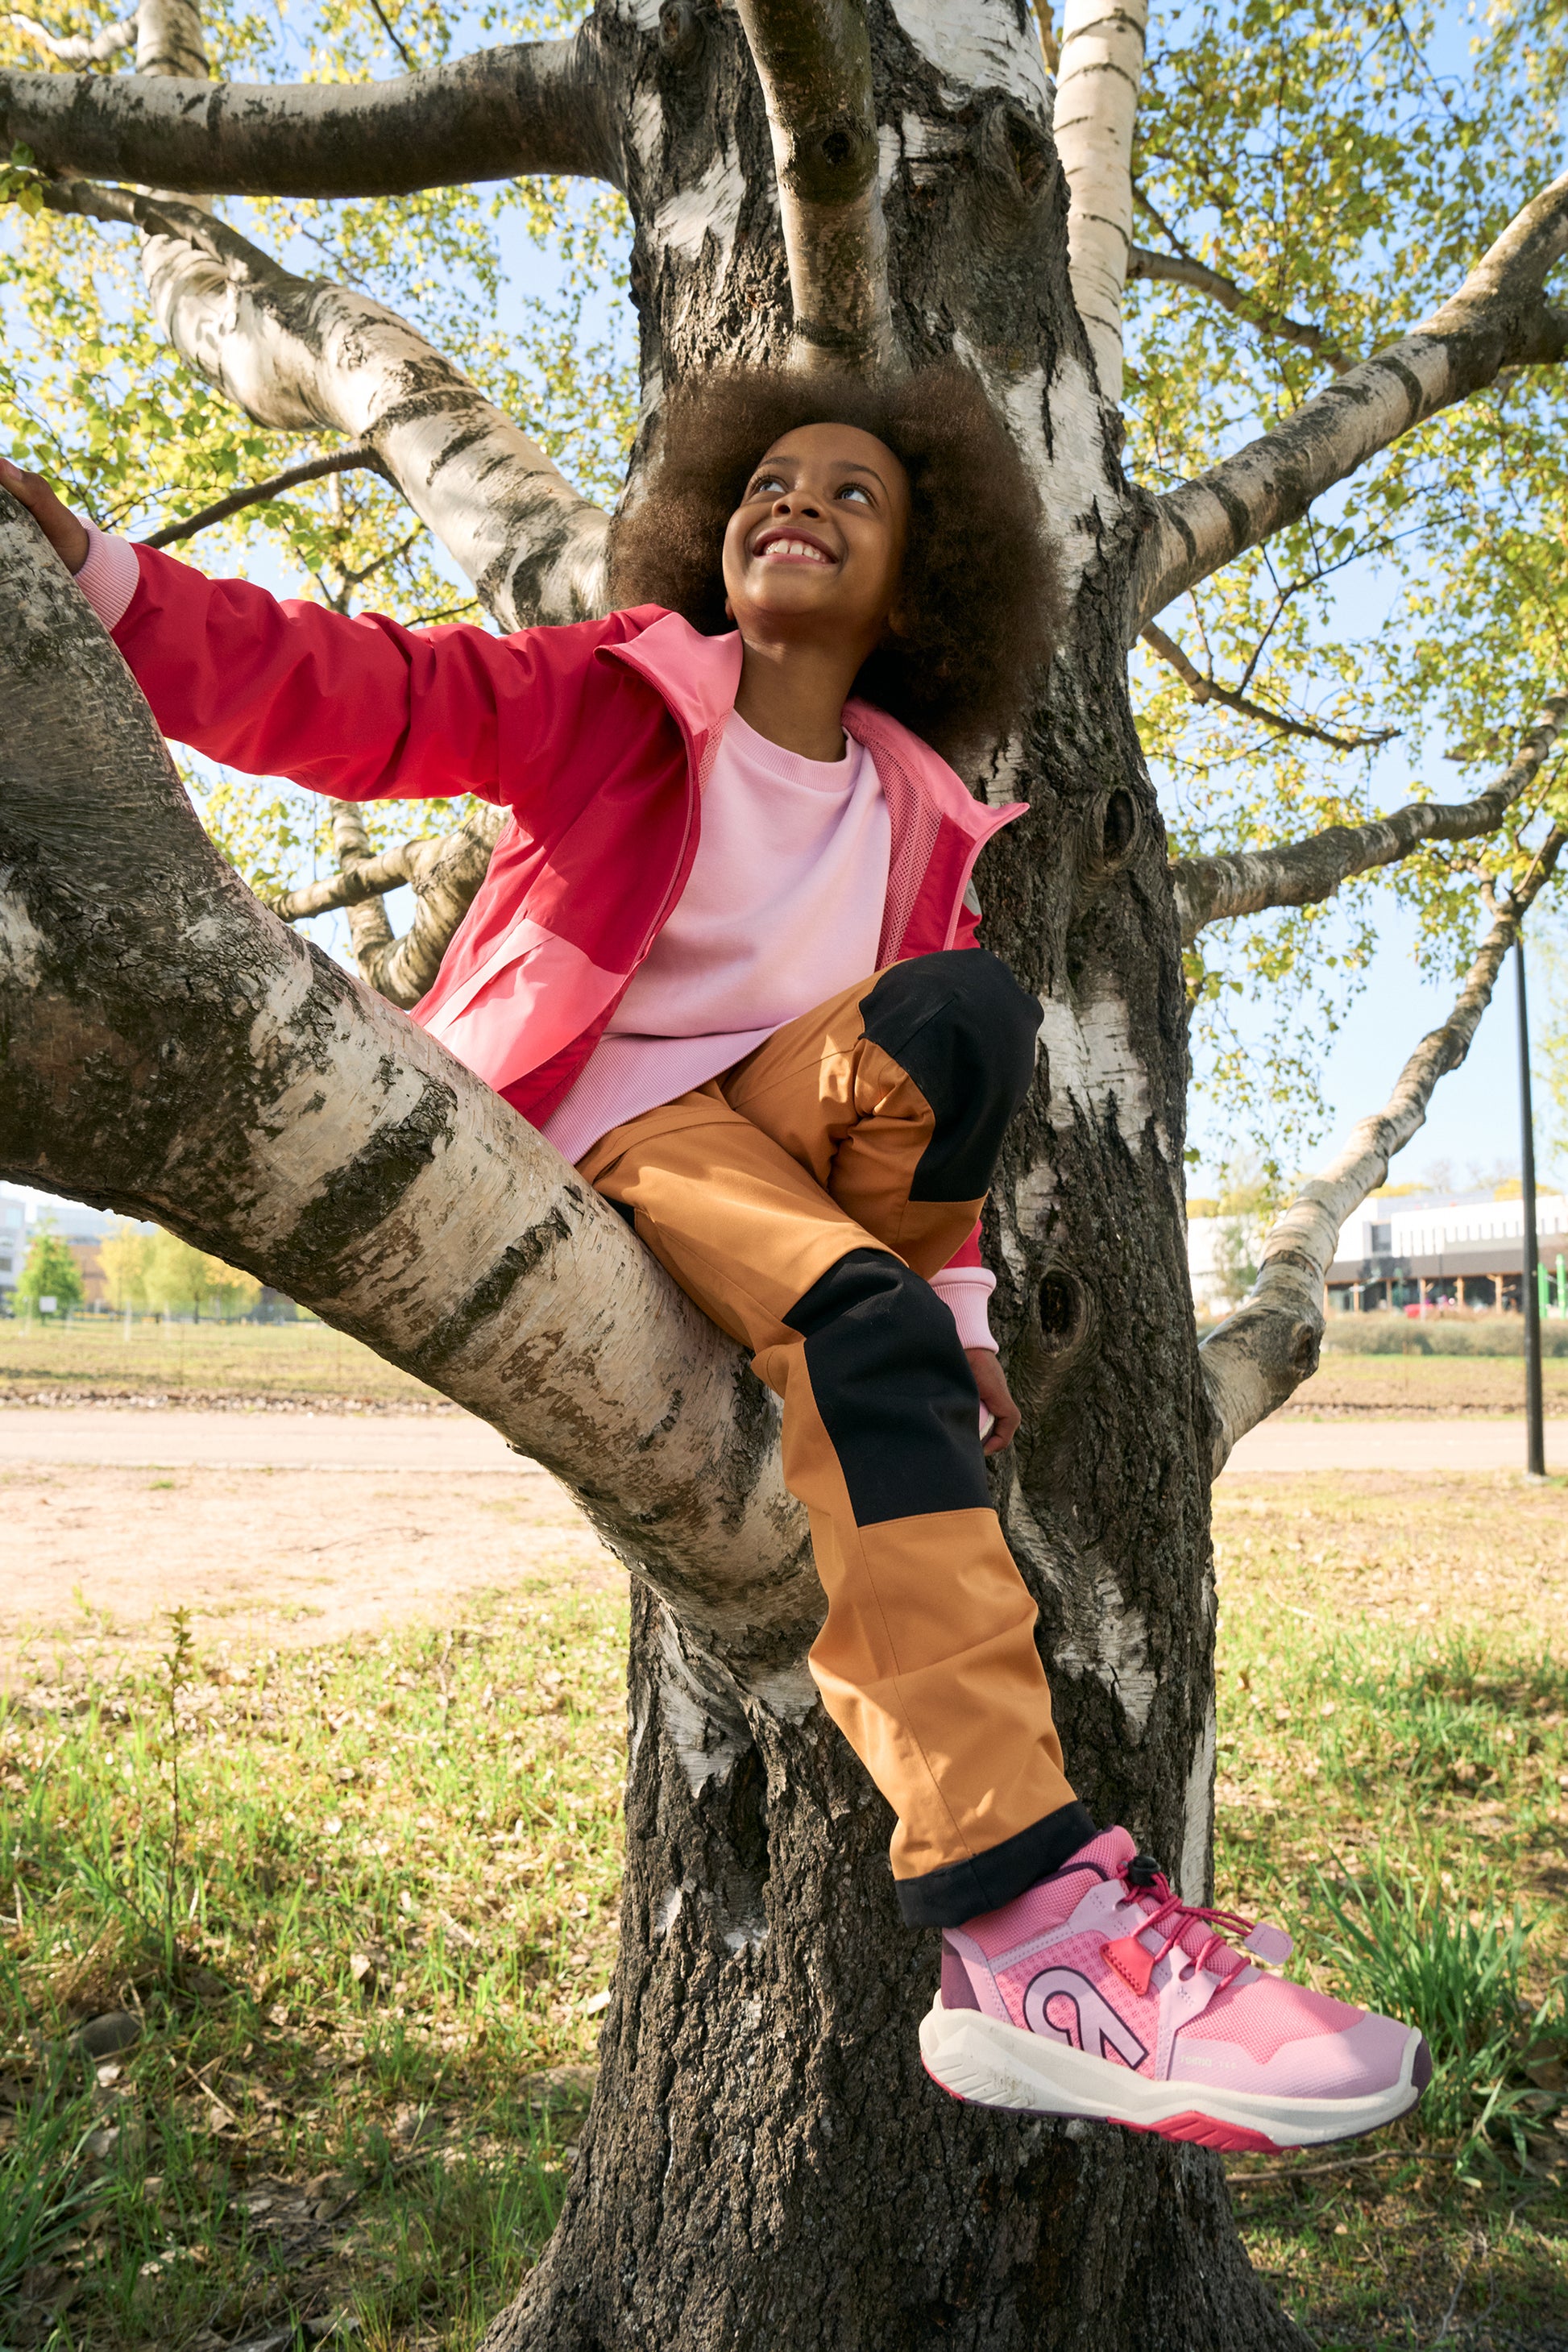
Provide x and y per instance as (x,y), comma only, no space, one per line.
(725,960)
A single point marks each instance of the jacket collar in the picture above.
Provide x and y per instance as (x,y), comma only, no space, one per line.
(700,677)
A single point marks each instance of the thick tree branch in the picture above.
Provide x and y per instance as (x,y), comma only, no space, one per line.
(814,61)
(1500,318)
(1208,689)
(1260,1355)
(77,48)
(1181,269)
(1301,873)
(539,106)
(313,469)
(444,871)
(303,1130)
(1101,72)
(300,356)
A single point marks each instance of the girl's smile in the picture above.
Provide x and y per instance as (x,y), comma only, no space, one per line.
(782,544)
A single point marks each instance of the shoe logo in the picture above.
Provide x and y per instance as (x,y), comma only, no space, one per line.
(1090,2013)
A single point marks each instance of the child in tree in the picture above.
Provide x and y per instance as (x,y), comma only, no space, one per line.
(725,960)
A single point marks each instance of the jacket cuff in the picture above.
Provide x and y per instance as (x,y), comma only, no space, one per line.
(965,1290)
(109,576)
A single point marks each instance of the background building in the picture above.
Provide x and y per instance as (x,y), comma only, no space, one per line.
(1460,1249)
(1411,1249)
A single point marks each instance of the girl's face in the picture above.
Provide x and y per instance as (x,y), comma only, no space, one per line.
(816,544)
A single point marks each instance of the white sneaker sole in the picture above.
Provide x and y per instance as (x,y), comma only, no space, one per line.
(979,2059)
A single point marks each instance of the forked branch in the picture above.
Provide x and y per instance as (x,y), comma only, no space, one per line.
(814,62)
(1500,318)
(444,871)
(538,106)
(1260,1355)
(1302,873)
(1209,689)
(302,355)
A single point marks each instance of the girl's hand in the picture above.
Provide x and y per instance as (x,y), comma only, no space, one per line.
(65,531)
(995,1396)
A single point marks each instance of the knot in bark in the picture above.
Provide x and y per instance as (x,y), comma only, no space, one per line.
(831,162)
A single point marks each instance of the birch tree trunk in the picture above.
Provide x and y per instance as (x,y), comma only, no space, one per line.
(766,2165)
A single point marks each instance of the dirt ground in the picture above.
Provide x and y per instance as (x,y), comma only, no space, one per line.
(267,1559)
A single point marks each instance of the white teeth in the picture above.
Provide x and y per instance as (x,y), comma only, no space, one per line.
(795,547)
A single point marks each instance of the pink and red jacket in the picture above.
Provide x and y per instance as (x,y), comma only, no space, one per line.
(596,738)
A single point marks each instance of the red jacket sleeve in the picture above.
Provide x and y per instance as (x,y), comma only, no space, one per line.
(362,708)
(968,1252)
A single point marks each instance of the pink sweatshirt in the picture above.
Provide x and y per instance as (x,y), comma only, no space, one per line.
(782,907)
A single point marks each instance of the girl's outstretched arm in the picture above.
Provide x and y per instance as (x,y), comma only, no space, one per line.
(360,709)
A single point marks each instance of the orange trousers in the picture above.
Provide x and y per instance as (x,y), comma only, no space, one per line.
(802,1199)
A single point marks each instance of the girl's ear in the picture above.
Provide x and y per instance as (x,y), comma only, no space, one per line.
(729,610)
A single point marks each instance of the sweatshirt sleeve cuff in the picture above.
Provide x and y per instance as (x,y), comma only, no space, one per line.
(965,1290)
(109,576)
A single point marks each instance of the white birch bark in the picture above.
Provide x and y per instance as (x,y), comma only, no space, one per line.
(1098,82)
(77,48)
(302,355)
(535,106)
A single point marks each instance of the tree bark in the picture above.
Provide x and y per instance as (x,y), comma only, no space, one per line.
(302,355)
(765,2164)
(1098,82)
(539,106)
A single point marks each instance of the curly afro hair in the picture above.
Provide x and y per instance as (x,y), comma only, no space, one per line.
(979,600)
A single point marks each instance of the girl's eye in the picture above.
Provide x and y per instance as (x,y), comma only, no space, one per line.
(766,482)
(856,490)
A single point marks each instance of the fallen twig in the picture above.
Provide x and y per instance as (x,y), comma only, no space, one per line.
(1339,2164)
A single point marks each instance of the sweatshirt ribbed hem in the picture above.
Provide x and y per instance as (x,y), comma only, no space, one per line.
(109,576)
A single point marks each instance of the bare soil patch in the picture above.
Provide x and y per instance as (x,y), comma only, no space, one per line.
(270,1559)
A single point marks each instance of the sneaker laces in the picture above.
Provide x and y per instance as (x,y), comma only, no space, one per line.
(1199,1930)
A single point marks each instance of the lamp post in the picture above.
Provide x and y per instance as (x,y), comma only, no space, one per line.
(1534,1420)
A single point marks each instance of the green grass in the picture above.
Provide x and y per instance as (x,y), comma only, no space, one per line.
(358,2071)
(355,2087)
(1392,1791)
(1398,1386)
(101,1357)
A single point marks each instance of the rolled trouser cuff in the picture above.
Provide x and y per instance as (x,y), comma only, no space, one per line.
(984,1882)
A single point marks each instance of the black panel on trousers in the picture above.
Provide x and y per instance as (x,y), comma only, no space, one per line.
(961,1027)
(894,1390)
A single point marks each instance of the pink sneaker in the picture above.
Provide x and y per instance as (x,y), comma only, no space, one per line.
(1100,1993)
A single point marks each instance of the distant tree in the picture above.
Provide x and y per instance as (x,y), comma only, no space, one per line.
(123,1254)
(51,1272)
(1244,1216)
(175,1275)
